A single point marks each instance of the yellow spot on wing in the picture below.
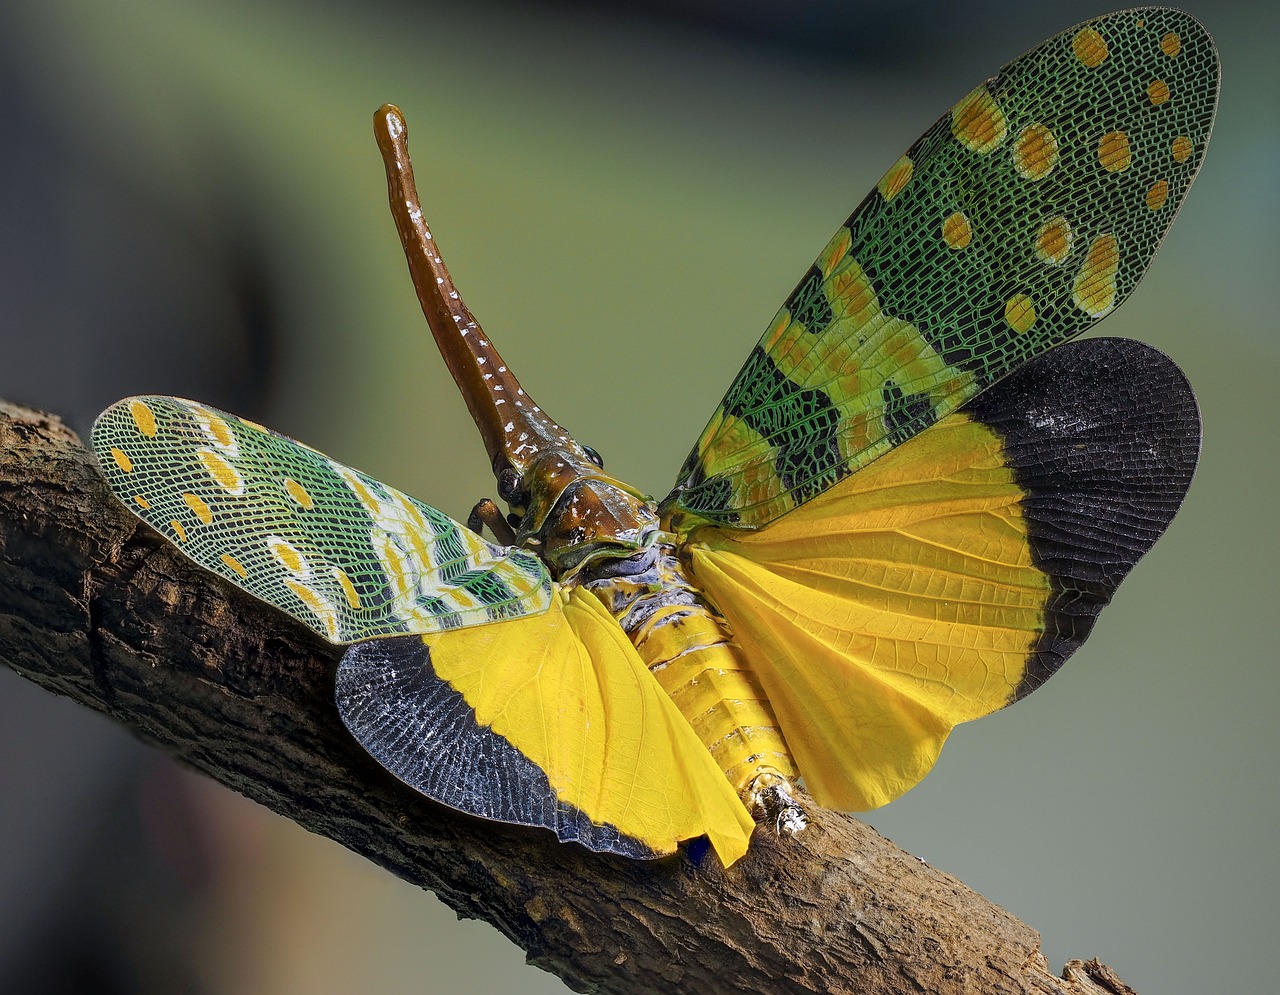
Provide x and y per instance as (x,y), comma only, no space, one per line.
(1113,152)
(1053,243)
(178,530)
(898,176)
(412,530)
(394,565)
(318,605)
(196,504)
(836,250)
(978,123)
(298,493)
(1181,148)
(1095,285)
(1035,152)
(218,430)
(287,555)
(780,326)
(223,473)
(851,295)
(1158,92)
(234,564)
(214,427)
(1157,194)
(956,230)
(1020,312)
(122,460)
(1171,45)
(362,492)
(348,588)
(141,502)
(1090,47)
(462,600)
(143,417)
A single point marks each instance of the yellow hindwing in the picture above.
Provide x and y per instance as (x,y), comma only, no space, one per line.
(885,610)
(568,690)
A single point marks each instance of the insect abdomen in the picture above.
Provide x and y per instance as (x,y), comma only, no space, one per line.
(689,648)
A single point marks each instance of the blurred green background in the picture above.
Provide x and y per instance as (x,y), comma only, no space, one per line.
(193,204)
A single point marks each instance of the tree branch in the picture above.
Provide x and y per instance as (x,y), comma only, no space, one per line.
(95,606)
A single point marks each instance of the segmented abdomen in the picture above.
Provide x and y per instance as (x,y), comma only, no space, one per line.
(689,648)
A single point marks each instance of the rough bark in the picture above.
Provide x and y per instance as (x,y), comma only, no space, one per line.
(95,606)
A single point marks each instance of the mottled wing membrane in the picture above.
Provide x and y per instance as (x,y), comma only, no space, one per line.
(348,556)
(1026,214)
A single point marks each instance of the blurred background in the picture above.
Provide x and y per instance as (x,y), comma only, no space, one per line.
(193,204)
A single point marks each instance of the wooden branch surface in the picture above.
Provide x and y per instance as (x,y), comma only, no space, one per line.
(95,606)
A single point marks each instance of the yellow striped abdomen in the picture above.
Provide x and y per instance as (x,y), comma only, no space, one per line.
(689,649)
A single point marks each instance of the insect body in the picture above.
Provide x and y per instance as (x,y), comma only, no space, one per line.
(906,513)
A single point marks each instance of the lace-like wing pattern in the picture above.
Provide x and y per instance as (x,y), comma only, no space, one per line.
(1022,217)
(344,554)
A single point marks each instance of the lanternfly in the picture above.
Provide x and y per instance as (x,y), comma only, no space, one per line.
(906,512)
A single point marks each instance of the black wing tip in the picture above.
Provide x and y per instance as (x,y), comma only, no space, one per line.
(1103,436)
(416,726)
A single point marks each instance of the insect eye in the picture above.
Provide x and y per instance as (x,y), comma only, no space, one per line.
(594,456)
(509,486)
